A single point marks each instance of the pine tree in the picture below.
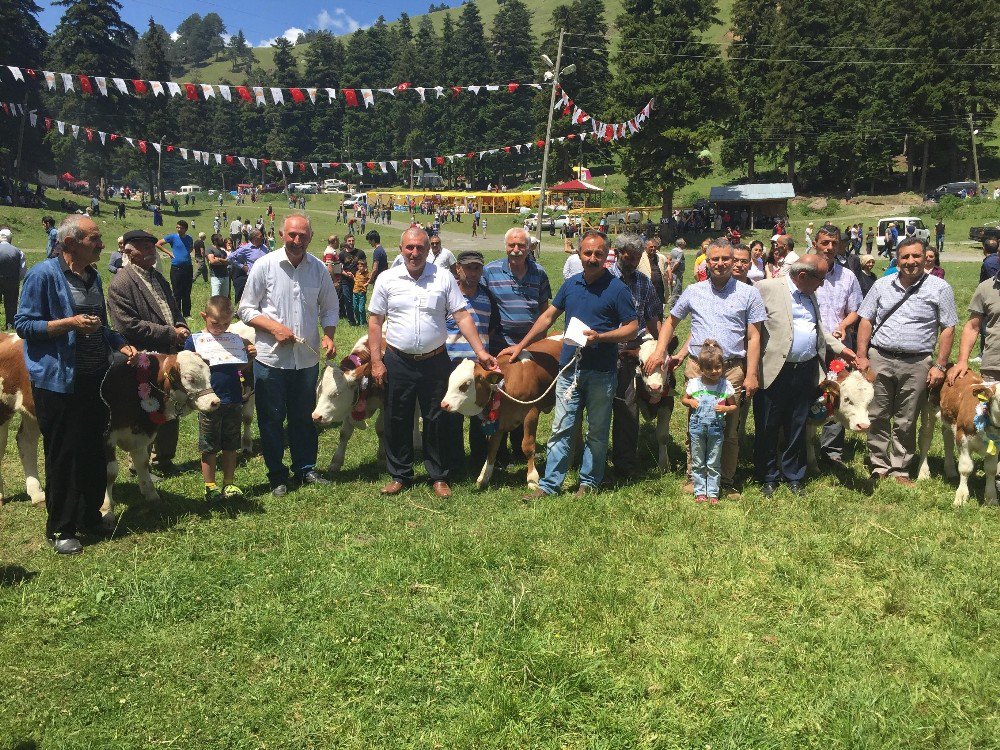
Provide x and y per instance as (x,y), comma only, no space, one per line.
(90,37)
(22,43)
(240,53)
(324,66)
(690,99)
(514,53)
(474,65)
(158,115)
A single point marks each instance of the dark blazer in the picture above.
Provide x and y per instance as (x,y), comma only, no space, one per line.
(138,317)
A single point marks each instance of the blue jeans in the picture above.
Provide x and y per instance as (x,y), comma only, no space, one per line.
(707,431)
(594,391)
(280,394)
(220,285)
(359,308)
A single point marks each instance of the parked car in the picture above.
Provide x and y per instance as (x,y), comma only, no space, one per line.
(952,188)
(901,223)
(981,234)
(352,200)
(273,187)
(623,217)
(564,220)
(334,186)
(531,222)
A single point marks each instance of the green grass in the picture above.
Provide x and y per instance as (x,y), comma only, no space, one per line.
(634,618)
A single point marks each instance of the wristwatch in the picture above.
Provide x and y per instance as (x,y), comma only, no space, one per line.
(939,366)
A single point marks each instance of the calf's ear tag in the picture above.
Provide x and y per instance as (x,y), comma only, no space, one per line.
(983,396)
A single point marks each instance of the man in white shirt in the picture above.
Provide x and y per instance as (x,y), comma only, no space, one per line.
(288,295)
(236,232)
(413,300)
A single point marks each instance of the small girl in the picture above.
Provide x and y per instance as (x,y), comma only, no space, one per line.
(360,285)
(709,397)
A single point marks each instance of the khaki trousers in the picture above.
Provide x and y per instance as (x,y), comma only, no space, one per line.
(900,395)
(735,372)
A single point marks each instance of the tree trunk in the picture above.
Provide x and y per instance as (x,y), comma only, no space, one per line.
(751,166)
(923,166)
(909,162)
(667,210)
(790,162)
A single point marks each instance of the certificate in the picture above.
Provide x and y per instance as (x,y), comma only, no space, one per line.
(224,349)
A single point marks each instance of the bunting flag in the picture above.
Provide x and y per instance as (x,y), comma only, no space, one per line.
(85,86)
(207,91)
(67,80)
(156,87)
(369,98)
(225,93)
(351,97)
(603,130)
(102,84)
(174,88)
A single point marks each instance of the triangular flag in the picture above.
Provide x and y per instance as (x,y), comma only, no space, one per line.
(191,92)
(207,91)
(253,163)
(351,97)
(244,93)
(157,88)
(140,86)
(102,85)
(184,153)
(315,167)
(258,92)
(297,96)
(357,165)
(491,87)
(158,147)
(76,130)
(243,160)
(474,89)
(33,118)
(142,146)
(67,80)
(383,167)
(85,86)
(50,79)
(312,95)
(218,159)
(394,165)
(130,141)
(16,72)
(439,90)
(278,96)
(429,163)
(102,135)
(512,87)
(120,85)
(390,92)
(61,126)
(174,88)
(350,167)
(331,94)
(369,98)
(225,93)
(229,160)
(420,90)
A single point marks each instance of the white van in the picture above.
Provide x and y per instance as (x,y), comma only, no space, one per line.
(334,186)
(922,232)
(190,189)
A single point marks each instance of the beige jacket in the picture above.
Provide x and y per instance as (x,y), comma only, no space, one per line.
(776,333)
(663,261)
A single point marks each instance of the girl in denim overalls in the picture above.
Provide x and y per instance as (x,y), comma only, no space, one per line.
(709,397)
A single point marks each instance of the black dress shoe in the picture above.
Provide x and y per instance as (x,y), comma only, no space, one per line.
(768,489)
(797,489)
(314,477)
(279,490)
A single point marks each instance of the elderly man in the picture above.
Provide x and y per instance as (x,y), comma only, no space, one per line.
(603,304)
(922,310)
(468,270)
(63,322)
(522,292)
(146,313)
(413,300)
(288,297)
(839,298)
(648,303)
(243,258)
(656,267)
(723,309)
(793,359)
(12,270)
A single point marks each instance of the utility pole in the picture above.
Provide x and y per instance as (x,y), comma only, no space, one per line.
(975,157)
(548,138)
(159,170)
(19,168)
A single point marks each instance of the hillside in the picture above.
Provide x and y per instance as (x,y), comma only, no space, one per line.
(541,16)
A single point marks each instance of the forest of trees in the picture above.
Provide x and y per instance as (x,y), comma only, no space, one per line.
(824,92)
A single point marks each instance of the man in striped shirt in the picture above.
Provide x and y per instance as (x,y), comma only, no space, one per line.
(469,271)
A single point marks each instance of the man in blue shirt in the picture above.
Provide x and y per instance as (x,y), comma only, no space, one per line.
(380,259)
(49,225)
(604,305)
(178,247)
(469,271)
(241,260)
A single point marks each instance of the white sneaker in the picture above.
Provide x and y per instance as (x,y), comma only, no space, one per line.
(976,361)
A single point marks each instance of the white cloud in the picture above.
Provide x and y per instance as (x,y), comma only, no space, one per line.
(175,36)
(291,35)
(226,38)
(338,21)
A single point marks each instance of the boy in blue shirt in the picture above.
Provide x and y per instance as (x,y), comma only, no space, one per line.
(220,430)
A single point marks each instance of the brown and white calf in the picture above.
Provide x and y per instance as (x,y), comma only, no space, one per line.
(16,398)
(249,335)
(470,390)
(182,383)
(655,397)
(956,406)
(849,394)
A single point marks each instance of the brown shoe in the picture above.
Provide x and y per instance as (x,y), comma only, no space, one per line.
(905,481)
(688,489)
(584,490)
(393,488)
(441,489)
(535,495)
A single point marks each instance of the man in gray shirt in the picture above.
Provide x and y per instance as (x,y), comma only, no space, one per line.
(12,270)
(923,319)
(676,271)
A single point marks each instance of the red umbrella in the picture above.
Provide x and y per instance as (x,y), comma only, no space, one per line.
(68,177)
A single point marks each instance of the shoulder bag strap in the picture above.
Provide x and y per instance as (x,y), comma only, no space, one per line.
(909,292)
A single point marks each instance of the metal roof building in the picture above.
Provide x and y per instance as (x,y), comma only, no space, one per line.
(763,202)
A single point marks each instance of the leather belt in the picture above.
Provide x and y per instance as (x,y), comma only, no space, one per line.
(899,353)
(418,357)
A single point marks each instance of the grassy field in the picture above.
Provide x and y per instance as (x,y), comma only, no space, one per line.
(634,618)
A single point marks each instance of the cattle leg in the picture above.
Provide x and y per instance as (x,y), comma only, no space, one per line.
(948,438)
(491,458)
(990,470)
(529,445)
(28,436)
(927,419)
(965,467)
(663,437)
(140,460)
(246,444)
(812,439)
(346,430)
(111,457)
(3,452)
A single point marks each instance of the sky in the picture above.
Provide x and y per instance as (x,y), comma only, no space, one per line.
(261,20)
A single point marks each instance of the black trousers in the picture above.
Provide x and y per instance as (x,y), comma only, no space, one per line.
(784,408)
(409,383)
(73,427)
(9,290)
(625,427)
(455,444)
(181,279)
(239,279)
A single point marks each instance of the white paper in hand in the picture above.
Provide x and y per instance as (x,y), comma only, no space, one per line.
(224,349)
(574,334)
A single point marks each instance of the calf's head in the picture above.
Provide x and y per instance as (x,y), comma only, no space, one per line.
(851,394)
(191,379)
(335,396)
(989,393)
(469,387)
(661,380)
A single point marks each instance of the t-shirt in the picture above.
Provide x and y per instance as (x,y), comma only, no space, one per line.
(225,378)
(181,248)
(235,226)
(986,302)
(677,256)
(380,260)
(602,306)
(708,395)
(219,272)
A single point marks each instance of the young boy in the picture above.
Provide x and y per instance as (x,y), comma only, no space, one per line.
(227,355)
(361,279)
